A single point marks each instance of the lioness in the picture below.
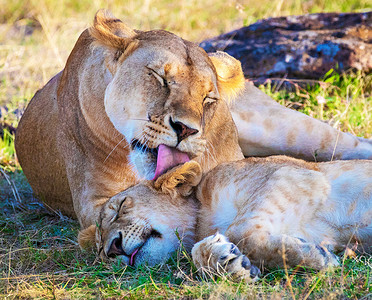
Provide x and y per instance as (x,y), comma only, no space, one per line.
(274,210)
(131,104)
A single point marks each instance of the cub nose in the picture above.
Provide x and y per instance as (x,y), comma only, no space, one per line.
(182,130)
(116,247)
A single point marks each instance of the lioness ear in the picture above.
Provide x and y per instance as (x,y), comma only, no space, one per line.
(180,180)
(111,33)
(87,237)
(229,75)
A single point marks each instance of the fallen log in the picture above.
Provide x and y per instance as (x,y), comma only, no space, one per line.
(304,46)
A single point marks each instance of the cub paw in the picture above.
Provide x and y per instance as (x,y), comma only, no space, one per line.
(317,256)
(215,254)
(329,258)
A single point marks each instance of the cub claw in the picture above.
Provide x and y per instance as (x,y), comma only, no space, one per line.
(253,270)
(255,273)
(330,259)
(215,254)
(235,250)
(317,256)
(246,263)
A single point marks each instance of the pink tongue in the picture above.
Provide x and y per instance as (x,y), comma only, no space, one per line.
(168,157)
(131,261)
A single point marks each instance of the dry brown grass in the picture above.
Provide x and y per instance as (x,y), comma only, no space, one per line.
(27,61)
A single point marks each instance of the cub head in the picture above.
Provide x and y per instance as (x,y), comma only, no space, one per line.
(143,224)
(166,94)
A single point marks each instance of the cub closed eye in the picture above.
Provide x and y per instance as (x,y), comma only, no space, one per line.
(118,211)
(121,204)
(207,100)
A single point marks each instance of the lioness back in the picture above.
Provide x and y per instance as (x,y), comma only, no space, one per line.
(36,144)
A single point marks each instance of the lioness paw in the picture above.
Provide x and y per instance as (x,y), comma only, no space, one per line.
(216,255)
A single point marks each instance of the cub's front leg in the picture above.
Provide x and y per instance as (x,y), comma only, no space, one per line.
(273,250)
(216,255)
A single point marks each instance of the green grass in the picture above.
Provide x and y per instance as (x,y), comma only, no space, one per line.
(39,255)
(7,152)
(342,100)
(39,259)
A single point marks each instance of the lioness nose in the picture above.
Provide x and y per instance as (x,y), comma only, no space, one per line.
(182,130)
(116,247)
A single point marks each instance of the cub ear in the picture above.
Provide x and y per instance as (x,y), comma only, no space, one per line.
(87,237)
(116,37)
(230,77)
(180,180)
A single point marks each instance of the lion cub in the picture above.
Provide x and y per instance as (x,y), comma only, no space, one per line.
(266,211)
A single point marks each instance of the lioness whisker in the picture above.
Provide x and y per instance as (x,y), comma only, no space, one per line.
(209,152)
(115,148)
(139,120)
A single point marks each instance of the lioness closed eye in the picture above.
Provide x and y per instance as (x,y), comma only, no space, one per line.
(265,210)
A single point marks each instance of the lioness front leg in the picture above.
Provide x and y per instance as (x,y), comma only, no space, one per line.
(215,254)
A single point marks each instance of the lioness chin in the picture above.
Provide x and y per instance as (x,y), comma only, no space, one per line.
(267,211)
(130,104)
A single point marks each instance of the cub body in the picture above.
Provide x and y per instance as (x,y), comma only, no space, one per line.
(272,210)
(280,207)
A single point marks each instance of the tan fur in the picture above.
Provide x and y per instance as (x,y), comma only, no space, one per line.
(74,144)
(231,79)
(111,32)
(73,155)
(276,210)
(188,172)
(106,30)
(287,210)
(86,237)
(290,132)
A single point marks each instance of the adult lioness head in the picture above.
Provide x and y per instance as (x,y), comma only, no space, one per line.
(144,223)
(166,94)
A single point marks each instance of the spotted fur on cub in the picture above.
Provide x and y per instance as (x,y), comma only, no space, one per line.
(266,211)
